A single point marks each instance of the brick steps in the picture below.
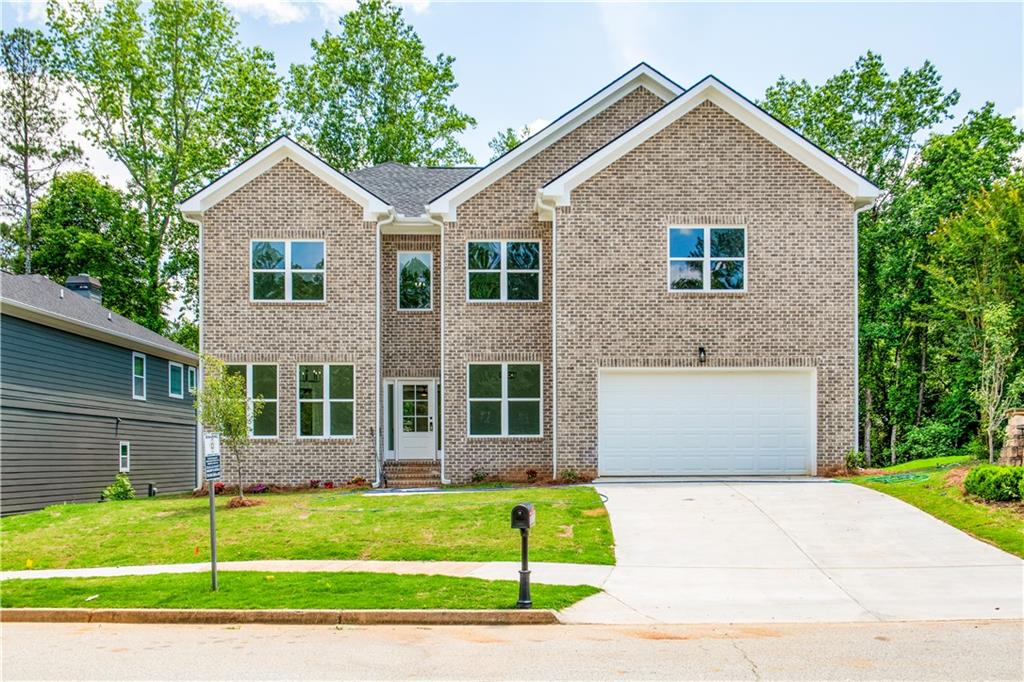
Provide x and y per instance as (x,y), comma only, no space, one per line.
(412,473)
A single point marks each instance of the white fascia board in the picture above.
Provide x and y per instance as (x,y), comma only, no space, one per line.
(711,89)
(642,75)
(264,160)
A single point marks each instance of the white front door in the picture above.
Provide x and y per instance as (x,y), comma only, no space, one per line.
(415,408)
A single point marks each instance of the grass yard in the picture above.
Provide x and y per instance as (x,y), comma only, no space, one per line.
(1000,525)
(572,526)
(245,590)
(931,463)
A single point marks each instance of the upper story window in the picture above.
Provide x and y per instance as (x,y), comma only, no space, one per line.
(138,376)
(191,379)
(414,278)
(260,385)
(287,270)
(707,258)
(503,270)
(326,401)
(175,380)
(504,399)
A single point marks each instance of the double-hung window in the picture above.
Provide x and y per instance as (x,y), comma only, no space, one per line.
(138,376)
(191,379)
(287,270)
(124,457)
(504,399)
(503,270)
(260,388)
(707,258)
(175,380)
(414,280)
(326,401)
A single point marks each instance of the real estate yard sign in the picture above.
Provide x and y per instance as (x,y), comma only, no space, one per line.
(211,466)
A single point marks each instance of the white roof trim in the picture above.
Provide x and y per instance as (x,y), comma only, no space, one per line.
(711,89)
(260,162)
(640,75)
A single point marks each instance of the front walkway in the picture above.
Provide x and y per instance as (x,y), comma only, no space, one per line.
(809,550)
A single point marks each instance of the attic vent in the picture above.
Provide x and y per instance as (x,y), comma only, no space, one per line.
(86,285)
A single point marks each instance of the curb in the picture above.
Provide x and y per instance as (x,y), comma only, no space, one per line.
(282,617)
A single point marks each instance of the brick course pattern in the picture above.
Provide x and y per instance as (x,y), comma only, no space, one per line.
(512,332)
(288,202)
(410,339)
(614,308)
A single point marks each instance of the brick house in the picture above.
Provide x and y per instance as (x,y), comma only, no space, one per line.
(660,282)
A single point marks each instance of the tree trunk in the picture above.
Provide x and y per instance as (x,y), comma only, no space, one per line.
(28,218)
(920,380)
(867,426)
(892,445)
(241,487)
(991,445)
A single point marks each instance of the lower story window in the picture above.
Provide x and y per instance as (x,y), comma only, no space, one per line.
(260,388)
(326,401)
(504,399)
(124,457)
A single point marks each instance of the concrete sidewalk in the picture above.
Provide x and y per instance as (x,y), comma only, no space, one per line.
(550,573)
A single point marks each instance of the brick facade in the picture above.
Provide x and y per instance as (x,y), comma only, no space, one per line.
(613,306)
(288,202)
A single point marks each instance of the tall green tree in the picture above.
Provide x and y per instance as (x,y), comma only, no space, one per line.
(171,94)
(85,225)
(371,94)
(33,147)
(506,140)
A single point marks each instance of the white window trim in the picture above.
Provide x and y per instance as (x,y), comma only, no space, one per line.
(398,281)
(326,401)
(706,259)
(288,271)
(503,271)
(170,369)
(505,400)
(145,365)
(249,397)
(191,383)
(124,465)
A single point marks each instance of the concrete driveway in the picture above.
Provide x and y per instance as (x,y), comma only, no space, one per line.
(807,550)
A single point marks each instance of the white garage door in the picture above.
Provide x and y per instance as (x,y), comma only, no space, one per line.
(705,422)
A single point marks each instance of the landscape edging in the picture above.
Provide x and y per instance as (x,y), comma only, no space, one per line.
(283,616)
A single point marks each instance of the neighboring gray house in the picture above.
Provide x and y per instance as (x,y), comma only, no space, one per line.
(85,393)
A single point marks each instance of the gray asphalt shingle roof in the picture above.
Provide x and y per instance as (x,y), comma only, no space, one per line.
(44,294)
(409,188)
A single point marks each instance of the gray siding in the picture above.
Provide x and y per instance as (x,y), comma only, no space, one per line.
(66,403)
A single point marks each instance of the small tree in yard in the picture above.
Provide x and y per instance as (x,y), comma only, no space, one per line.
(997,353)
(222,406)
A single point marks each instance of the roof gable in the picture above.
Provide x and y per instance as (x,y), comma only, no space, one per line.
(559,190)
(641,75)
(263,160)
(409,188)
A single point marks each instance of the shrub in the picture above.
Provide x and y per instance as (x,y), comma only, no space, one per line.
(314,483)
(1021,488)
(358,482)
(218,487)
(975,449)
(531,475)
(120,489)
(570,476)
(855,460)
(930,439)
(329,485)
(995,483)
(477,475)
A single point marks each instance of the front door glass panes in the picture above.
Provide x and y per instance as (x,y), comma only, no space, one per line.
(416,408)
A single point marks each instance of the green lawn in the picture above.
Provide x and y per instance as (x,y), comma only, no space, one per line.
(245,590)
(572,526)
(931,463)
(1001,526)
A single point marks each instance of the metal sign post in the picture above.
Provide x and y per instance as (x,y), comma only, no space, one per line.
(211,459)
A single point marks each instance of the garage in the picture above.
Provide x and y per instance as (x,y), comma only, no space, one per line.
(706,422)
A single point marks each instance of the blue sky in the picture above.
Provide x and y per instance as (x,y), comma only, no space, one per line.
(522,62)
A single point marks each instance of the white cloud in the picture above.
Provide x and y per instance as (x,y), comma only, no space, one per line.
(627,31)
(1018,113)
(25,12)
(535,126)
(294,11)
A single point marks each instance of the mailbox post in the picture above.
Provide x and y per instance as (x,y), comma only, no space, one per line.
(523,518)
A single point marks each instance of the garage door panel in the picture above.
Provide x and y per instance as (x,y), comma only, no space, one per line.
(705,423)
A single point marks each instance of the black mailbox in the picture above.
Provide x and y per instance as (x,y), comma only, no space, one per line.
(523,516)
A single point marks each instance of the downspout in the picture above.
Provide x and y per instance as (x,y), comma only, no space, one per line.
(554,332)
(377,430)
(199,370)
(441,421)
(856,324)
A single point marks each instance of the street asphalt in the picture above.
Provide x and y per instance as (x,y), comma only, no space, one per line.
(947,650)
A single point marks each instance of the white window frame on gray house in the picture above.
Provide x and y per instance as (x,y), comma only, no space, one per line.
(325,401)
(288,270)
(707,260)
(136,377)
(191,379)
(505,399)
(503,271)
(124,457)
(424,256)
(171,366)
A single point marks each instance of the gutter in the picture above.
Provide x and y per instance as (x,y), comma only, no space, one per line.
(856,323)
(377,430)
(440,421)
(543,206)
